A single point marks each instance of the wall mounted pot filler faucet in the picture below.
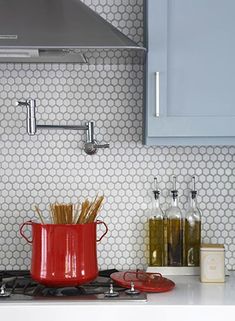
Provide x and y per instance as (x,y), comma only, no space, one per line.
(90,146)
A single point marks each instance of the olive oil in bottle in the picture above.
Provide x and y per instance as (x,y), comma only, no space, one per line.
(156,231)
(174,231)
(193,230)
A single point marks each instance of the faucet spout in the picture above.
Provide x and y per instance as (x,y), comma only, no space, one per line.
(90,147)
(31,125)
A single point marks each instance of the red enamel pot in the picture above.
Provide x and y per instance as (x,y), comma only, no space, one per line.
(63,254)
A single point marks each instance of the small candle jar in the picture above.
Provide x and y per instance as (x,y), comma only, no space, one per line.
(212,263)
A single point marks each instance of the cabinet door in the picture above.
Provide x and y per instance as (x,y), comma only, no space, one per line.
(190,72)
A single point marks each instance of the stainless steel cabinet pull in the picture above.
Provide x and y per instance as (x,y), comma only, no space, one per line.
(157,82)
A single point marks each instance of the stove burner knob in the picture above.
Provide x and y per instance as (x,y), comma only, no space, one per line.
(132,290)
(111,293)
(3,292)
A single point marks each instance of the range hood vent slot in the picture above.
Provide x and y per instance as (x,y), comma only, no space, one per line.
(19,53)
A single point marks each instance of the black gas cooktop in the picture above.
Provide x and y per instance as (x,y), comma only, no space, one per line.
(19,286)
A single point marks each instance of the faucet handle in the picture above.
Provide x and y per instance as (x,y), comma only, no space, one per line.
(102,145)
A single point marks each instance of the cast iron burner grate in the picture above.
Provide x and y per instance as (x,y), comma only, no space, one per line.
(20,282)
(19,286)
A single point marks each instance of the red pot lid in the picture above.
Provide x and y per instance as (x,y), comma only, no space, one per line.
(143,281)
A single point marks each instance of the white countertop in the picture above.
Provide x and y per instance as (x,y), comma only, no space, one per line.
(190,300)
(190,291)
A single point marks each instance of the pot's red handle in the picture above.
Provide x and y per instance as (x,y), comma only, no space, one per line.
(22,233)
(106,230)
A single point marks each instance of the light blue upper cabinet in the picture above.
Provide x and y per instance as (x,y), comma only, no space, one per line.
(190,72)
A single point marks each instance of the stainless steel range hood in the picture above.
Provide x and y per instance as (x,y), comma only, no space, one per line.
(60,31)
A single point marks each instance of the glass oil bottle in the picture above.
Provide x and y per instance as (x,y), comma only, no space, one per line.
(193,230)
(156,231)
(174,231)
